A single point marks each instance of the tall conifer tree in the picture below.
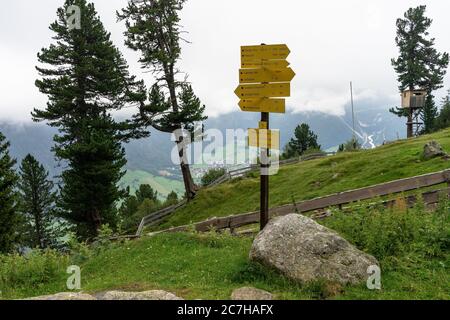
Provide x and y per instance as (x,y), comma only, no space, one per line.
(37,204)
(419,65)
(9,218)
(86,80)
(153,29)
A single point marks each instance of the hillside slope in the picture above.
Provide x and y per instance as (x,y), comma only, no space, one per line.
(316,178)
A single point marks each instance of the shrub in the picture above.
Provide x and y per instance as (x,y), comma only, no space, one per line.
(30,272)
(396,232)
(212,175)
(79,251)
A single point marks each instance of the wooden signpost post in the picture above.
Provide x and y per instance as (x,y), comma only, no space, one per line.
(264,75)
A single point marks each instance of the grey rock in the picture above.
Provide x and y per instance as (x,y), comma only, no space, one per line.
(249,293)
(146,295)
(432,150)
(65,296)
(304,251)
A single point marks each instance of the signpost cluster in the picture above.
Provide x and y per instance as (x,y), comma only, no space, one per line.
(264,81)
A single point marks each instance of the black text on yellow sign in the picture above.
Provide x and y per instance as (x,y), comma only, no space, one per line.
(260,75)
(253,91)
(263,138)
(263,105)
(264,52)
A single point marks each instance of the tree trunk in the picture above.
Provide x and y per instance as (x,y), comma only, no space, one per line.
(96,221)
(409,131)
(409,125)
(189,185)
(37,222)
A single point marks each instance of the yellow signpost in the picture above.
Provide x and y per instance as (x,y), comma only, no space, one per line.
(263,105)
(268,64)
(264,52)
(262,125)
(264,75)
(260,75)
(251,91)
(263,138)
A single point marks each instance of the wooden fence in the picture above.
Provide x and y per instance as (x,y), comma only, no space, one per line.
(160,215)
(155,217)
(239,172)
(338,199)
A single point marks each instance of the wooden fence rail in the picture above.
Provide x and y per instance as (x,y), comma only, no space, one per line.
(338,199)
(157,216)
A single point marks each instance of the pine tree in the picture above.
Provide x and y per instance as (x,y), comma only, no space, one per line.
(419,64)
(38,199)
(153,29)
(172,198)
(9,217)
(145,191)
(443,119)
(127,211)
(87,79)
(304,139)
(429,115)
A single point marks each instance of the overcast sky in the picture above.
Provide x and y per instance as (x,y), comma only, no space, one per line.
(331,42)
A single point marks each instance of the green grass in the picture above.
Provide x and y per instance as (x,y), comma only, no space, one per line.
(412,246)
(316,178)
(211,267)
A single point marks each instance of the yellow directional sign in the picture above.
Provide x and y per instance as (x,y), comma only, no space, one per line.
(263,138)
(265,75)
(264,52)
(269,64)
(263,105)
(274,90)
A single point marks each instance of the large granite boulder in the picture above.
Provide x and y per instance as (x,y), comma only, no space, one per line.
(432,150)
(304,251)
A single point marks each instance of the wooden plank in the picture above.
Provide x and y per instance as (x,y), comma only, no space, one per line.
(241,220)
(393,187)
(385,189)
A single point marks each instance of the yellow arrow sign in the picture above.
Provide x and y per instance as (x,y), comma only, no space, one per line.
(266,75)
(263,138)
(263,105)
(263,90)
(269,64)
(264,52)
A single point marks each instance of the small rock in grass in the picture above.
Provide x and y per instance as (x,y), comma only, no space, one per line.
(146,295)
(432,150)
(249,293)
(65,296)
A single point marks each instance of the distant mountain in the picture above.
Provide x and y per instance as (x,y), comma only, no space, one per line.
(151,154)
(373,125)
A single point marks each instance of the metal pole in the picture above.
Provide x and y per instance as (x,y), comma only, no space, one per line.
(265,164)
(353,111)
